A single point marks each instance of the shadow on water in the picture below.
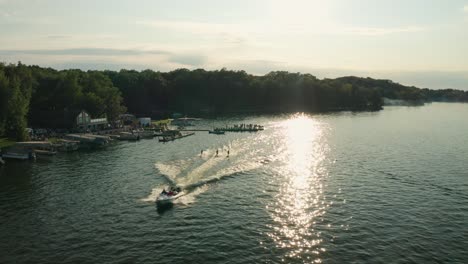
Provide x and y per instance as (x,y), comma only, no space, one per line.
(427,184)
(163,208)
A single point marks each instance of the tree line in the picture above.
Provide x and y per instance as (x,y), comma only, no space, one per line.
(45,97)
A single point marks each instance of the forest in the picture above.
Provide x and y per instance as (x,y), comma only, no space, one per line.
(33,96)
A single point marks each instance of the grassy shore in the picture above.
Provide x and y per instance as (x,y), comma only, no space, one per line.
(53,140)
(161,122)
(6,142)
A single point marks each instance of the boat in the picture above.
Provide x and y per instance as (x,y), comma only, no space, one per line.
(42,152)
(217,132)
(169,197)
(168,132)
(19,153)
(129,136)
(65,145)
(144,133)
(40,148)
(167,138)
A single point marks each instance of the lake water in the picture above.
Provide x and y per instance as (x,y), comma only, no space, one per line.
(381,187)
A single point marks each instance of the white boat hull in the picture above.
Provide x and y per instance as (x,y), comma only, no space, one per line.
(166,199)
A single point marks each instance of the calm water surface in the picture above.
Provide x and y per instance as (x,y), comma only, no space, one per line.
(383,187)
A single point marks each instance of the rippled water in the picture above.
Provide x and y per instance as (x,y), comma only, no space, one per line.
(381,187)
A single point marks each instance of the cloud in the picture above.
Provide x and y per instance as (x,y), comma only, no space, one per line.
(85,52)
(465,9)
(233,34)
(188,26)
(240,33)
(59,37)
(107,58)
(98,65)
(379,31)
(188,59)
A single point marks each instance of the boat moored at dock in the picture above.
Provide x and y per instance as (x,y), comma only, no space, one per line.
(40,148)
(19,153)
(65,145)
(128,136)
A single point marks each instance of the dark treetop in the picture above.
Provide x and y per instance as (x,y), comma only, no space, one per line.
(45,97)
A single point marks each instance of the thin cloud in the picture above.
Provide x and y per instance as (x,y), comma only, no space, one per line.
(254,66)
(85,52)
(59,37)
(376,31)
(188,26)
(237,32)
(234,34)
(188,59)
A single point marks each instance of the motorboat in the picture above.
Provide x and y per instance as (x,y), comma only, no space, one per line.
(169,197)
(129,136)
(41,152)
(19,153)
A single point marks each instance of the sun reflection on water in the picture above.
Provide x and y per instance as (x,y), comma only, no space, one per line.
(300,204)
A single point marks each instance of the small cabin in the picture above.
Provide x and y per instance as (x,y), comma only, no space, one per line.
(127,119)
(144,121)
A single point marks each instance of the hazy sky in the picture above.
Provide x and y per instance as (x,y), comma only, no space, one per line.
(415,42)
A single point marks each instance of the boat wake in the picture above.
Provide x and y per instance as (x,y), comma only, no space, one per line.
(194,174)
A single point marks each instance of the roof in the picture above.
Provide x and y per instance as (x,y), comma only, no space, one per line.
(98,121)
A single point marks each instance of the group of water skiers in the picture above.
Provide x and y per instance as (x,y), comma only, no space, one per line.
(175,190)
(217,152)
(172,191)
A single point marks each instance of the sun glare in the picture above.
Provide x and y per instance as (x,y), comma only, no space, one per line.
(300,202)
(300,133)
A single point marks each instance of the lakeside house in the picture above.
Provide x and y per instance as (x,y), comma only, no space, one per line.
(84,122)
(127,119)
(144,121)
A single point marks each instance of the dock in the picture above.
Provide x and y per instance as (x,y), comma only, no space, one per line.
(174,137)
(89,139)
(241,128)
(43,148)
(195,130)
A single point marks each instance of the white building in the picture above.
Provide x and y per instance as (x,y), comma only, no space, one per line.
(145,121)
(84,122)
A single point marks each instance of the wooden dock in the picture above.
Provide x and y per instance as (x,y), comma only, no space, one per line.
(195,130)
(89,139)
(174,137)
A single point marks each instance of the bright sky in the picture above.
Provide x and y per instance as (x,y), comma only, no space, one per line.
(414,42)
